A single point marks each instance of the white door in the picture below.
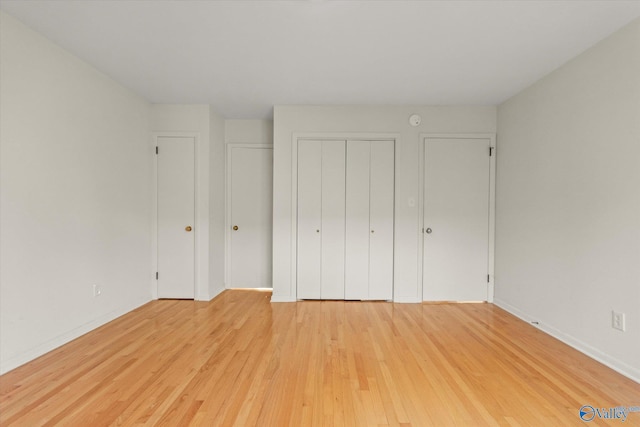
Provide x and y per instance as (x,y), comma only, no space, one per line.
(321,219)
(369,220)
(456,219)
(309,241)
(332,221)
(176,213)
(381,209)
(250,199)
(357,221)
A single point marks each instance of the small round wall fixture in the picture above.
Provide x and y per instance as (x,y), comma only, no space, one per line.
(414,120)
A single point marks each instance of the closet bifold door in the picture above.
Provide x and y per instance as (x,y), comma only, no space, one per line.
(333,217)
(356,279)
(369,220)
(381,210)
(321,217)
(309,219)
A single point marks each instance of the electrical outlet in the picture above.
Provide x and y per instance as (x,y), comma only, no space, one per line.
(617,321)
(97,290)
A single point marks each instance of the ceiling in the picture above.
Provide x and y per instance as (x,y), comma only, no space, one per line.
(243,57)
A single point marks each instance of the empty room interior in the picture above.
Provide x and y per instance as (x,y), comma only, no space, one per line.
(319,212)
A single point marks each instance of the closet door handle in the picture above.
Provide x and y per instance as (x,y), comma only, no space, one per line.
(428,231)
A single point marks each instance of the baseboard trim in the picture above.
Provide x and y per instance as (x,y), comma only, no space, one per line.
(44,348)
(216,292)
(407,300)
(399,300)
(278,298)
(613,363)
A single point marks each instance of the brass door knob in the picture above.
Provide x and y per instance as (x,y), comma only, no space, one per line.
(235,227)
(188,228)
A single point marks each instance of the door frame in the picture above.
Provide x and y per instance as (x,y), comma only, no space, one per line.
(227,217)
(198,229)
(492,203)
(333,136)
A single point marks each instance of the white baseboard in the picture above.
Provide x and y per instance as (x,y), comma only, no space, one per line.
(285,298)
(216,292)
(613,363)
(35,352)
(407,300)
(401,300)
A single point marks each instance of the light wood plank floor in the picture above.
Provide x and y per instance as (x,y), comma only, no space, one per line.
(240,360)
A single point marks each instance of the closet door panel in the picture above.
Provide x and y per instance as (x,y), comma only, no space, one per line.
(309,219)
(333,220)
(357,221)
(381,212)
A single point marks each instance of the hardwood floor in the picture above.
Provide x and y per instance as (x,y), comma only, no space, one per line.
(239,360)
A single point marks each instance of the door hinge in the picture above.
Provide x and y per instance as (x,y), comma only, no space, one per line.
(156,149)
(487,278)
(490,151)
(156,275)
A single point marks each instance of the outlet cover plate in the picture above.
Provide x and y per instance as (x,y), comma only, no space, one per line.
(617,321)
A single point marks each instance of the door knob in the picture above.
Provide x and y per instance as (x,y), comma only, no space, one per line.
(235,227)
(428,231)
(188,228)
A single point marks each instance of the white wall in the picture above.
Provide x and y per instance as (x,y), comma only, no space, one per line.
(193,119)
(249,131)
(217,210)
(75,196)
(568,201)
(372,120)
